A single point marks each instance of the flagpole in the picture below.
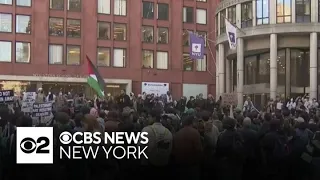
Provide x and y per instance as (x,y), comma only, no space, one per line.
(233,24)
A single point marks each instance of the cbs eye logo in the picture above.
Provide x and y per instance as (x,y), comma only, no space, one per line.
(65,138)
(29,145)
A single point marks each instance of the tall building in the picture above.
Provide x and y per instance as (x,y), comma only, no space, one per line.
(277,52)
(44,43)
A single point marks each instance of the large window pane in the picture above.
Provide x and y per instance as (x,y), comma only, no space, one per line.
(185,37)
(232,14)
(56,27)
(73,28)
(57,4)
(119,57)
(55,54)
(264,68)
(262,12)
(104,30)
(147,34)
(103,56)
(163,35)
(299,69)
(201,16)
(204,35)
(119,32)
(201,64)
(73,55)
(284,11)
(147,59)
(251,68)
(163,11)
(120,7)
(246,14)
(222,21)
(148,11)
(74,5)
(23,24)
(5,51)
(303,11)
(8,2)
(281,67)
(187,62)
(5,22)
(23,52)
(23,2)
(188,14)
(104,6)
(162,60)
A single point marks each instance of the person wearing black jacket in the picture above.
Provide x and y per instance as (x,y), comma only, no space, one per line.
(124,100)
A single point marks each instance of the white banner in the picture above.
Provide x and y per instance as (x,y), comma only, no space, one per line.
(27,102)
(156,88)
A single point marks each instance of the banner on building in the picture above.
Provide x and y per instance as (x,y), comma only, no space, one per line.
(196,46)
(156,88)
(232,34)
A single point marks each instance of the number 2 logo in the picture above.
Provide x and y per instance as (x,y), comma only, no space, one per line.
(29,145)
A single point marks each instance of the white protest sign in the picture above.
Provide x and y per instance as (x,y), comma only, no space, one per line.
(27,102)
(156,88)
(229,99)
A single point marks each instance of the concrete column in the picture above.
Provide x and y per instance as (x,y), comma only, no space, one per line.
(273,12)
(314,10)
(240,71)
(218,27)
(228,76)
(231,76)
(313,65)
(293,11)
(254,10)
(238,15)
(273,66)
(288,74)
(217,75)
(221,69)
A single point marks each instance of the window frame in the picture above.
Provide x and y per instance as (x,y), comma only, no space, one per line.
(30,19)
(246,21)
(284,16)
(126,31)
(152,3)
(101,47)
(15,54)
(67,54)
(120,14)
(108,38)
(303,16)
(142,34)
(102,3)
(63,28)
(124,53)
(158,31)
(168,12)
(205,58)
(10,4)
(222,21)
(23,5)
(11,53)
(183,65)
(143,56)
(68,6)
(66,29)
(11,27)
(206,11)
(63,4)
(263,18)
(232,14)
(185,14)
(63,46)
(157,60)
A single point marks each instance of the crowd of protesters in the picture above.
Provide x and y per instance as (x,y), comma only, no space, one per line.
(193,138)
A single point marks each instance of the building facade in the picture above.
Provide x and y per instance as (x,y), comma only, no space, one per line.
(277,51)
(44,43)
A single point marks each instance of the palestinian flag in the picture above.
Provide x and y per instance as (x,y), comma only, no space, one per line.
(94,79)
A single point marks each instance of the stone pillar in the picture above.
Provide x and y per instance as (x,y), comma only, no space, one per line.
(293,11)
(273,66)
(217,74)
(273,12)
(288,72)
(240,71)
(254,10)
(221,69)
(313,65)
(228,76)
(314,10)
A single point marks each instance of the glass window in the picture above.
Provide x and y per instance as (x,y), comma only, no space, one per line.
(5,51)
(203,0)
(162,60)
(104,6)
(232,14)
(262,12)
(283,11)
(188,14)
(119,32)
(222,21)
(55,54)
(299,64)
(185,37)
(74,28)
(147,59)
(23,52)
(201,16)
(147,8)
(23,2)
(5,22)
(163,11)
(104,30)
(163,35)
(246,15)
(187,62)
(56,27)
(204,35)
(57,4)
(303,11)
(119,57)
(23,24)
(217,25)
(8,2)
(147,34)
(201,64)
(103,56)
(73,55)
(120,7)
(74,5)
(264,68)
(281,67)
(251,68)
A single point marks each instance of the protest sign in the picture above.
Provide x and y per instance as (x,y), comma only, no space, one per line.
(6,96)
(229,99)
(42,109)
(27,102)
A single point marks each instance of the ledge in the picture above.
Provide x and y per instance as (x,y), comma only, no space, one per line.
(227,3)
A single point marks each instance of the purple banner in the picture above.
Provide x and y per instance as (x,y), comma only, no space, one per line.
(196,46)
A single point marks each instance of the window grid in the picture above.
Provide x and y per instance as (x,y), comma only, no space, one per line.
(56,54)
(232,14)
(222,22)
(284,8)
(262,12)
(303,11)
(246,15)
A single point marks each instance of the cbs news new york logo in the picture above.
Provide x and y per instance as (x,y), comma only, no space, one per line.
(34,145)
